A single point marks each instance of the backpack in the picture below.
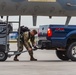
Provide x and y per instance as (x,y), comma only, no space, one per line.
(23,29)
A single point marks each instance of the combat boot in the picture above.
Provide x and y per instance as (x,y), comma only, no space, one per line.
(31,56)
(15,58)
(33,59)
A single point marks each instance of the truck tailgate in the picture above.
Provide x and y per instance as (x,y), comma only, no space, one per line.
(43,32)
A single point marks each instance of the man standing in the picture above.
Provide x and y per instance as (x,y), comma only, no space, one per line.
(24,40)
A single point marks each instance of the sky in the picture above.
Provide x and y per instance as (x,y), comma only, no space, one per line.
(41,20)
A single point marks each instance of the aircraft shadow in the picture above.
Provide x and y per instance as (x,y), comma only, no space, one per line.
(38,61)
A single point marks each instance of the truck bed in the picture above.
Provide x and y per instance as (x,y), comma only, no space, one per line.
(59,36)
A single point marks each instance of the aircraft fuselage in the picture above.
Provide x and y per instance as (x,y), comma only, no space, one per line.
(37,7)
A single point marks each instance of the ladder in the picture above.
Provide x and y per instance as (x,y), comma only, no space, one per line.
(19,23)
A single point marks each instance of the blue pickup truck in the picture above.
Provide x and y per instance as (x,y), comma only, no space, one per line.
(60,38)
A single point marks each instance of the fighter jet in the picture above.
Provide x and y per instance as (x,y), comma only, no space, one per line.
(38,8)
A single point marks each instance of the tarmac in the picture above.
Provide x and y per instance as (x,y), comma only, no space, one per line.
(47,64)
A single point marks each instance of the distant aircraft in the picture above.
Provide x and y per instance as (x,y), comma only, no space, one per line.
(38,8)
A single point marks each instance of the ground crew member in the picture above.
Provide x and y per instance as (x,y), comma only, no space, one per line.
(24,40)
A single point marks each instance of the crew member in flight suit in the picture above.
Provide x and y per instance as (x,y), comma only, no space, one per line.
(24,41)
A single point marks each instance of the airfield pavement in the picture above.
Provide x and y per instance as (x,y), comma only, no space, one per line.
(47,64)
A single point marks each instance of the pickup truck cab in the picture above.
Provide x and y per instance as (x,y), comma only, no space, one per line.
(60,38)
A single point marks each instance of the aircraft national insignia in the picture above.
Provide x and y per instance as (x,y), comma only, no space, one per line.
(42,0)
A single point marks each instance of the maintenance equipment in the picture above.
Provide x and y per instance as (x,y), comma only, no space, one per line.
(5,29)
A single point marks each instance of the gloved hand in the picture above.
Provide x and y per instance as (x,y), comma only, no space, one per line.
(35,47)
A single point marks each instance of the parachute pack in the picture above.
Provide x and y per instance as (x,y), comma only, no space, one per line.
(23,29)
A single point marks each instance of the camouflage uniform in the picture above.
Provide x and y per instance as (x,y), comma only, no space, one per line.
(25,40)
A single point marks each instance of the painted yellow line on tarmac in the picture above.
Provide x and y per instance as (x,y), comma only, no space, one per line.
(12,41)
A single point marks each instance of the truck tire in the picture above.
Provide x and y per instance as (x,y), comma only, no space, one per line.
(71,52)
(62,55)
(3,55)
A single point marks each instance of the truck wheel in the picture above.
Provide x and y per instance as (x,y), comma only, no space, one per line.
(3,56)
(71,52)
(62,55)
